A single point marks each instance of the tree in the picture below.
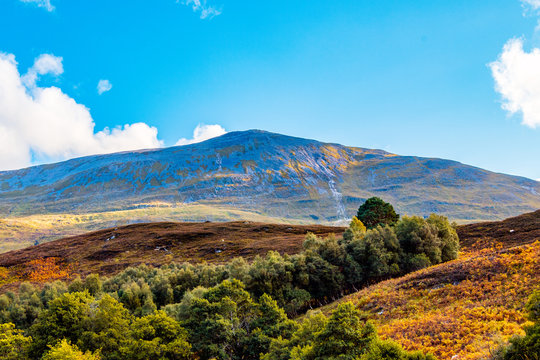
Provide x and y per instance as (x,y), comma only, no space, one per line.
(346,335)
(356,230)
(272,275)
(377,253)
(65,351)
(447,235)
(105,328)
(375,212)
(224,322)
(13,344)
(271,322)
(218,321)
(420,243)
(62,320)
(93,284)
(301,342)
(157,336)
(324,278)
(137,297)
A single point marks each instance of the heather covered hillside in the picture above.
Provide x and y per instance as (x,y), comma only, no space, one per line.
(418,295)
(466,308)
(112,250)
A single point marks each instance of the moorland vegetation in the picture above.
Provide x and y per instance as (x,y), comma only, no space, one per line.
(237,310)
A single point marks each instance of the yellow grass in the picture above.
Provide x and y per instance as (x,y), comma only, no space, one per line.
(464,308)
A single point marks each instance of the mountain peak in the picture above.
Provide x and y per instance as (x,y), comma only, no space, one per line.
(261,136)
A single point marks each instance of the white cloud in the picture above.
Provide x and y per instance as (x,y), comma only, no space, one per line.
(199,6)
(517,79)
(202,133)
(103,86)
(44,64)
(205,11)
(41,3)
(45,124)
(533,4)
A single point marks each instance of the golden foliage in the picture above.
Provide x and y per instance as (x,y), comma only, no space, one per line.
(465,308)
(4,275)
(48,269)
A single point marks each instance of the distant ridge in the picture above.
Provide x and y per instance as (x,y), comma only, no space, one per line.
(268,174)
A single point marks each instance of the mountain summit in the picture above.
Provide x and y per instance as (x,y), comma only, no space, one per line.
(270,174)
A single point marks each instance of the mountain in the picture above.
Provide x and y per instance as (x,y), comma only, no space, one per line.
(268,174)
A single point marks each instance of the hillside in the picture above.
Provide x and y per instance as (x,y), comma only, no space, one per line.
(466,307)
(519,230)
(23,231)
(265,174)
(112,250)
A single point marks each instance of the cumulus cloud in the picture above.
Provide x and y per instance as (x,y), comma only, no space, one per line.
(517,79)
(103,86)
(202,133)
(46,4)
(44,64)
(200,6)
(44,124)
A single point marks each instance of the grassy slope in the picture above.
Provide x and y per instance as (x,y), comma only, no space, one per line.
(20,232)
(466,307)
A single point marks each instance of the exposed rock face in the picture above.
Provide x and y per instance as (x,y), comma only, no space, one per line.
(267,173)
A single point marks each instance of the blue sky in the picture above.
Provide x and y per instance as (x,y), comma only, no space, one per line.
(412,78)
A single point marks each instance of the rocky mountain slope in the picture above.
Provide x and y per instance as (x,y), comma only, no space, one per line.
(267,174)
